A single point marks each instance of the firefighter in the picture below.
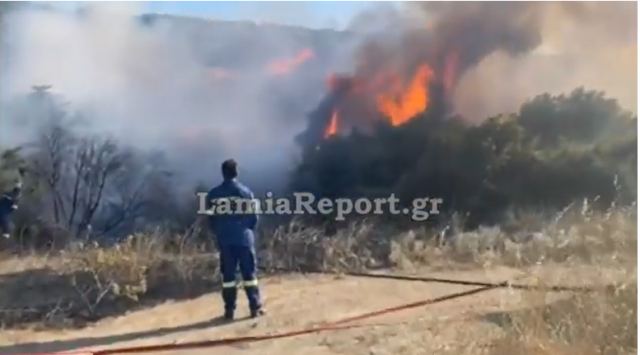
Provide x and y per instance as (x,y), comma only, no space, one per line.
(8,204)
(236,240)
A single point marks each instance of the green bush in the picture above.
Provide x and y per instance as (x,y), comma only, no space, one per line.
(556,150)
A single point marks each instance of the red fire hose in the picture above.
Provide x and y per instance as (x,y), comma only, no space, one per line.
(341,323)
(331,326)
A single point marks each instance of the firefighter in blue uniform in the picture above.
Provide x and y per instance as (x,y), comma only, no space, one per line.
(8,204)
(236,241)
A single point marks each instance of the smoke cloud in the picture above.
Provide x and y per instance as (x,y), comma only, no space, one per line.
(199,91)
(590,44)
(506,53)
(202,91)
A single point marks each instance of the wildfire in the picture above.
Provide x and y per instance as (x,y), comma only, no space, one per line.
(287,65)
(385,92)
(332,128)
(401,105)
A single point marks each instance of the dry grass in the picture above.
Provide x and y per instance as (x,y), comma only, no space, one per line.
(602,322)
(595,323)
(361,245)
(87,282)
(575,235)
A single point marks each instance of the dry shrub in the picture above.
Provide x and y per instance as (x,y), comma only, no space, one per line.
(89,281)
(139,264)
(109,273)
(600,322)
(576,234)
(595,323)
(299,247)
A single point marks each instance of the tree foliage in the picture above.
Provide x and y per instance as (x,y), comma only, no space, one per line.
(81,184)
(555,150)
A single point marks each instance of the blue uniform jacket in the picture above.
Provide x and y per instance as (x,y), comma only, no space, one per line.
(7,205)
(233,228)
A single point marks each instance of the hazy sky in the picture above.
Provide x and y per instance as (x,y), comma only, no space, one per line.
(323,14)
(143,83)
(319,14)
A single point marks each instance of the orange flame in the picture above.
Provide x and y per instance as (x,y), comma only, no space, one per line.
(287,65)
(332,128)
(402,105)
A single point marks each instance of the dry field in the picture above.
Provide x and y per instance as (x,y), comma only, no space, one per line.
(154,289)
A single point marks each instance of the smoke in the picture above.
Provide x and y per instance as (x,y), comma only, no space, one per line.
(423,73)
(477,60)
(202,91)
(199,91)
(408,64)
(466,31)
(590,44)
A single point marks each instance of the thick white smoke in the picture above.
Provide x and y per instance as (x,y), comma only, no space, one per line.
(202,91)
(167,85)
(590,44)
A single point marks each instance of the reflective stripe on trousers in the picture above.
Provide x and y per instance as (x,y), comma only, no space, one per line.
(251,283)
(233,284)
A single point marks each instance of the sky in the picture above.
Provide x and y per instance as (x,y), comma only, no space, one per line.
(317,14)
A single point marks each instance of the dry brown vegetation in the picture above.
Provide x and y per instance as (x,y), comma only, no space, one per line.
(602,322)
(598,323)
(85,282)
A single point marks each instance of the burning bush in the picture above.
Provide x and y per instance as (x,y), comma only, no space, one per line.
(556,150)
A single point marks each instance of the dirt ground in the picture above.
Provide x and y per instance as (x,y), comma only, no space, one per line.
(295,302)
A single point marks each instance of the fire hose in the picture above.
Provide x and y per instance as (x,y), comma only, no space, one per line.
(343,323)
(323,327)
(504,284)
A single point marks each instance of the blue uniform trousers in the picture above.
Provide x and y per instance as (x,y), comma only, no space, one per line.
(232,256)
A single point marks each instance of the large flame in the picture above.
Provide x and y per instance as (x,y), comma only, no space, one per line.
(332,128)
(285,66)
(400,104)
(398,99)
